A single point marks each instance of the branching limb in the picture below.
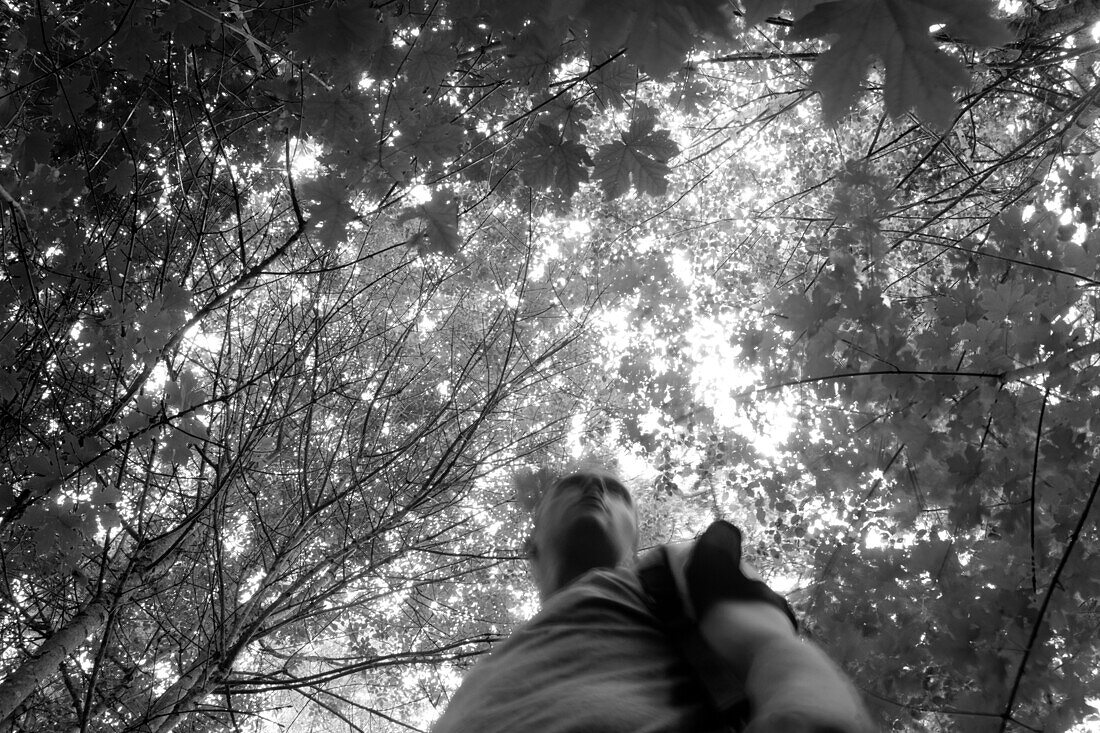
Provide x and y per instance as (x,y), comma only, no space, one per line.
(1006,716)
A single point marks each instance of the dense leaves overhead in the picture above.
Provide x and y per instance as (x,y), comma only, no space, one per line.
(291,292)
(919,75)
(640,157)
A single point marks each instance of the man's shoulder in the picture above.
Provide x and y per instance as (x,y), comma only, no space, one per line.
(665,553)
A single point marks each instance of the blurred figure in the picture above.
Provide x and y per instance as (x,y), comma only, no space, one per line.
(687,639)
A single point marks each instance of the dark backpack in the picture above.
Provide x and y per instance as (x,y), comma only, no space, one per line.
(724,689)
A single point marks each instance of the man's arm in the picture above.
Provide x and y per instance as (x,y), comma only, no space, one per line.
(793,687)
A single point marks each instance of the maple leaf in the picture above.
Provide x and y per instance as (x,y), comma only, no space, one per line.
(692,91)
(1001,303)
(658,34)
(187,28)
(533,54)
(612,82)
(330,211)
(439,216)
(429,135)
(918,75)
(808,313)
(661,38)
(38,32)
(709,16)
(566,115)
(144,125)
(1077,260)
(174,445)
(74,100)
(966,510)
(47,187)
(121,179)
(95,24)
(35,149)
(640,157)
(333,115)
(399,165)
(430,60)
(184,393)
(135,47)
(551,162)
(339,31)
(608,24)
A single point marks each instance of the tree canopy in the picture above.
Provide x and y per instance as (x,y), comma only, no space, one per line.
(302,301)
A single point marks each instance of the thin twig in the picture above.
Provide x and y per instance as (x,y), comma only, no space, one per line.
(1034,474)
(1007,714)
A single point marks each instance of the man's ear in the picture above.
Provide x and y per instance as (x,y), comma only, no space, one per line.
(536,566)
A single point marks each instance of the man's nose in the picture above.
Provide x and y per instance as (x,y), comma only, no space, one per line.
(592,491)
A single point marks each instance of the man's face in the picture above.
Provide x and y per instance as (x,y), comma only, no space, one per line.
(584,522)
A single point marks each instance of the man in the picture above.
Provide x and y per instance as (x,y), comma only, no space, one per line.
(602,656)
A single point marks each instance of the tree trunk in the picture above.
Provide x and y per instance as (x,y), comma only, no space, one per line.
(41,665)
(47,658)
(172,706)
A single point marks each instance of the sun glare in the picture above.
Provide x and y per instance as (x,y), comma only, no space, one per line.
(303,158)
(207,341)
(724,385)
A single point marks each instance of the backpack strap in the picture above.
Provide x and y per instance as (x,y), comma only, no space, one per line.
(723,688)
(715,573)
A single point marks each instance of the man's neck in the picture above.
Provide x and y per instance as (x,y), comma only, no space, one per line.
(588,548)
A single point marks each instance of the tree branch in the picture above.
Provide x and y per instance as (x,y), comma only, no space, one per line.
(871,372)
(1007,714)
(1054,363)
(1034,475)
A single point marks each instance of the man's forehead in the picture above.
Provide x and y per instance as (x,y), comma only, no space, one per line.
(586,480)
